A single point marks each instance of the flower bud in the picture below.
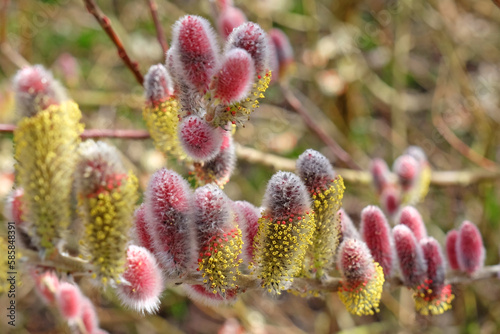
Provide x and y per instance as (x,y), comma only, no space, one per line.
(249,225)
(433,296)
(412,263)
(362,278)
(45,152)
(233,81)
(106,197)
(205,296)
(410,217)
(219,169)
(469,248)
(69,301)
(142,282)
(285,232)
(407,170)
(451,249)
(326,192)
(196,51)
(170,221)
(219,239)
(35,90)
(376,232)
(229,19)
(380,174)
(199,139)
(250,37)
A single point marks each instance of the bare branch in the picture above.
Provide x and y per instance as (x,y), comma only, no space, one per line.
(105,23)
(153,7)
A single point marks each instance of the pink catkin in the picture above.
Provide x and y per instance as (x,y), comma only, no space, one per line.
(451,249)
(199,139)
(315,170)
(412,264)
(141,233)
(158,85)
(36,89)
(469,248)
(69,301)
(406,168)
(390,199)
(89,316)
(229,19)
(142,281)
(355,262)
(169,219)
(196,54)
(46,285)
(13,210)
(410,217)
(249,224)
(219,169)
(234,80)
(436,267)
(286,196)
(251,38)
(347,227)
(283,48)
(376,232)
(380,174)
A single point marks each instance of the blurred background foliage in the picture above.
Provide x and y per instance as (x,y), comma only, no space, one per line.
(376,75)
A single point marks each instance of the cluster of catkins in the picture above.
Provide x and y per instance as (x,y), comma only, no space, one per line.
(417,259)
(203,234)
(195,101)
(406,185)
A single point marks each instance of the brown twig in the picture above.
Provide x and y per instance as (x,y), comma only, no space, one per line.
(497,3)
(332,145)
(13,55)
(153,7)
(105,23)
(96,133)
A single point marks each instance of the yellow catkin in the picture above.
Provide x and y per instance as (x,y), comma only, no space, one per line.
(239,112)
(363,298)
(420,188)
(45,153)
(428,302)
(280,250)
(219,261)
(162,121)
(327,232)
(107,218)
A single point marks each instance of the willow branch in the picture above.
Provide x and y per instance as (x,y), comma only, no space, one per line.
(332,144)
(95,133)
(105,23)
(153,7)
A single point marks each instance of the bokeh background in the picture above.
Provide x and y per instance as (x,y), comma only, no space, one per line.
(377,76)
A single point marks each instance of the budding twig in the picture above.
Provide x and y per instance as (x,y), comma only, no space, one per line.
(105,23)
(153,7)
(332,144)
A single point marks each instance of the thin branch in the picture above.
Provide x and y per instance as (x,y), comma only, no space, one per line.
(105,23)
(96,133)
(15,57)
(153,7)
(332,145)
(438,178)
